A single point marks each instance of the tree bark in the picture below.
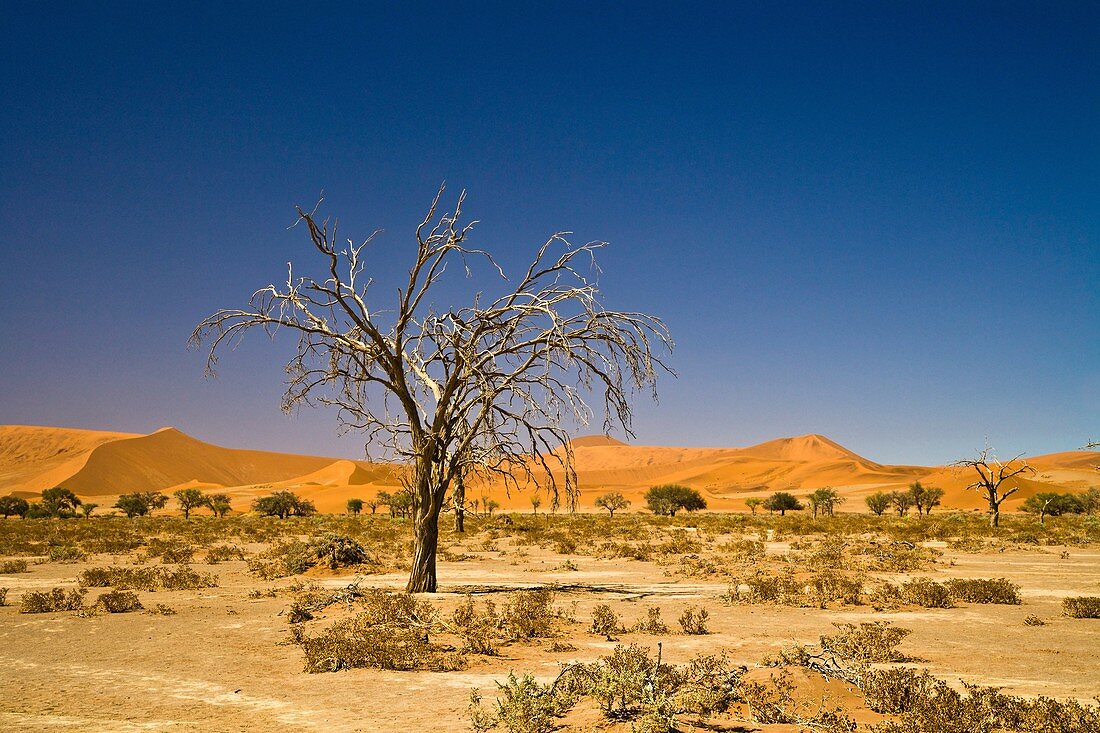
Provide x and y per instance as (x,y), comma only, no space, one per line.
(422,578)
(994,516)
(460,503)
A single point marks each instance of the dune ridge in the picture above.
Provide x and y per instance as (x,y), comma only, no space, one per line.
(104,464)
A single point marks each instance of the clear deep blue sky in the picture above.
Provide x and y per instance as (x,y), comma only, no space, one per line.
(875,221)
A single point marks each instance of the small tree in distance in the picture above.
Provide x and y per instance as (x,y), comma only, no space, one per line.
(902,501)
(14,506)
(992,478)
(753,502)
(782,502)
(612,502)
(189,499)
(59,502)
(668,499)
(878,502)
(536,502)
(141,503)
(219,504)
(87,508)
(355,506)
(1052,504)
(283,504)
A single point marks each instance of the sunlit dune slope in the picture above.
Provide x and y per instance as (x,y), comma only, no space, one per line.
(102,464)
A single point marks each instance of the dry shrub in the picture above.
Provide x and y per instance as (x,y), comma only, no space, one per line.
(392,633)
(743,550)
(694,622)
(917,592)
(985,590)
(147,579)
(118,601)
(523,706)
(3,596)
(931,706)
(605,622)
(11,567)
(652,623)
(222,553)
(876,641)
(1033,620)
(478,629)
(171,551)
(51,601)
(296,557)
(66,554)
(893,691)
(529,614)
(830,586)
(1081,607)
(771,703)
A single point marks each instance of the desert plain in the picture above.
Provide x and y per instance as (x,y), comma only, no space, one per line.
(719,620)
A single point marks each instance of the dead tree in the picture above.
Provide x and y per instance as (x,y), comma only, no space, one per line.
(498,383)
(992,474)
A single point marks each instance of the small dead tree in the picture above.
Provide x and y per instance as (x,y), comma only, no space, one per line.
(496,384)
(992,474)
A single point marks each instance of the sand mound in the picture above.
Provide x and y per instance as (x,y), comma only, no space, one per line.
(594,441)
(103,464)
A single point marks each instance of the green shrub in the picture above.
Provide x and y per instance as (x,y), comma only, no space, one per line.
(985,590)
(1081,607)
(222,553)
(56,599)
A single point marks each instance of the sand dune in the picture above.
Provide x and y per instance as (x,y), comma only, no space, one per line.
(103,464)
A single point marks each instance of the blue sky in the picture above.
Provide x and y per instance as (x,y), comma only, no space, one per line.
(875,221)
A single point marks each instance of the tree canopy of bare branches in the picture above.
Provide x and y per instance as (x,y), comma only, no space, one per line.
(492,387)
(992,474)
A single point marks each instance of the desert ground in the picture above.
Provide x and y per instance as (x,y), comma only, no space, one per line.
(230,657)
(721,620)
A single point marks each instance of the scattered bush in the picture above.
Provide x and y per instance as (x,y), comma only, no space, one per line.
(926,593)
(694,622)
(119,601)
(3,596)
(876,641)
(222,553)
(147,579)
(529,614)
(51,601)
(66,554)
(1081,607)
(652,623)
(11,567)
(605,622)
(1033,620)
(985,590)
(392,633)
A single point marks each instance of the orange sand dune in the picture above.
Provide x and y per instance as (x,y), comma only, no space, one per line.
(102,464)
(106,464)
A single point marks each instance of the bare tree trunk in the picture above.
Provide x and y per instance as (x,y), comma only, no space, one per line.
(994,515)
(422,578)
(460,503)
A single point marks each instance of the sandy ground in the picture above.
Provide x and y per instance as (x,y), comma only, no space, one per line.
(222,662)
